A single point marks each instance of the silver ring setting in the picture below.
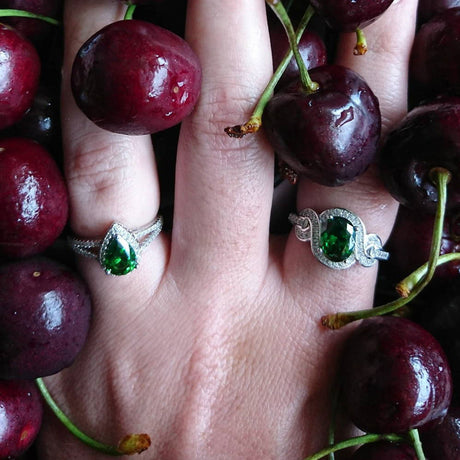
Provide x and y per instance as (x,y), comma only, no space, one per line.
(118,252)
(338,238)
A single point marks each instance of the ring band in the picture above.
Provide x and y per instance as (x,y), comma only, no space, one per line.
(338,238)
(119,250)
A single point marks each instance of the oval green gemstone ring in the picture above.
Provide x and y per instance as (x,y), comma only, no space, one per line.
(338,238)
(119,250)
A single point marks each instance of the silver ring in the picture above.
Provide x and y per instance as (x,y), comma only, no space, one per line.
(118,252)
(338,238)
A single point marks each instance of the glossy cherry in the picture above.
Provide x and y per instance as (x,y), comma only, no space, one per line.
(347,15)
(435,57)
(21,417)
(331,135)
(19,76)
(33,198)
(133,77)
(44,319)
(395,376)
(426,138)
(427,9)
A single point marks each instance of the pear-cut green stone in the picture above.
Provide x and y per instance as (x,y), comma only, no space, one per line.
(119,257)
(338,239)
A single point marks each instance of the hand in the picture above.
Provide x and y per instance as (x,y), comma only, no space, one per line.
(213,345)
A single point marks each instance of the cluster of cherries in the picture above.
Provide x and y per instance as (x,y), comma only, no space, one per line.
(399,374)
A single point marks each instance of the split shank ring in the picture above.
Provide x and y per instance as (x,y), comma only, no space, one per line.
(119,250)
(338,238)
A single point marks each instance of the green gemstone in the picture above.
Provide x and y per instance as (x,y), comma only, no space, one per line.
(119,257)
(338,239)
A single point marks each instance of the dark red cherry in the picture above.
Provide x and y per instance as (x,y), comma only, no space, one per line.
(44,319)
(347,15)
(311,47)
(19,75)
(429,8)
(435,57)
(395,376)
(35,30)
(33,198)
(442,442)
(133,77)
(427,137)
(331,135)
(21,417)
(384,451)
(410,242)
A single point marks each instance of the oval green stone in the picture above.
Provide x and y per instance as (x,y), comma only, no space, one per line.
(119,257)
(338,239)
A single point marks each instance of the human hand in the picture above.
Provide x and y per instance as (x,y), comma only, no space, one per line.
(213,344)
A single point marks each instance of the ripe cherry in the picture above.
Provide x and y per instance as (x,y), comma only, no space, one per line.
(395,376)
(44,319)
(133,77)
(19,75)
(33,198)
(21,417)
(329,136)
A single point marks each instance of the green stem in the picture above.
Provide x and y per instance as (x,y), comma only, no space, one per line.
(405,286)
(129,12)
(255,120)
(417,444)
(440,178)
(27,14)
(361,43)
(278,8)
(129,445)
(356,441)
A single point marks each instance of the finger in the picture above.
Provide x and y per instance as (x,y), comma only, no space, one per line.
(110,176)
(224,185)
(384,67)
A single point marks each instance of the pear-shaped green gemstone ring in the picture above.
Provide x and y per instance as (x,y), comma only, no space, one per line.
(338,238)
(119,250)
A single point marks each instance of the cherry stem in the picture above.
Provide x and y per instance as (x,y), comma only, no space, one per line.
(7,12)
(361,43)
(129,445)
(440,178)
(417,444)
(255,120)
(129,12)
(278,8)
(357,441)
(405,286)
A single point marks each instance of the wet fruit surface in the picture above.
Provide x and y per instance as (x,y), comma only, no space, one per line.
(395,376)
(33,198)
(133,77)
(44,319)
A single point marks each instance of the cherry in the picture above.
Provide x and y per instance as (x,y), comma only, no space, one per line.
(33,198)
(443,440)
(410,243)
(348,15)
(44,319)
(19,76)
(329,135)
(21,417)
(435,56)
(429,8)
(428,137)
(395,376)
(35,30)
(384,450)
(311,46)
(133,77)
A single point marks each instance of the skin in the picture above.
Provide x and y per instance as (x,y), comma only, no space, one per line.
(213,345)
